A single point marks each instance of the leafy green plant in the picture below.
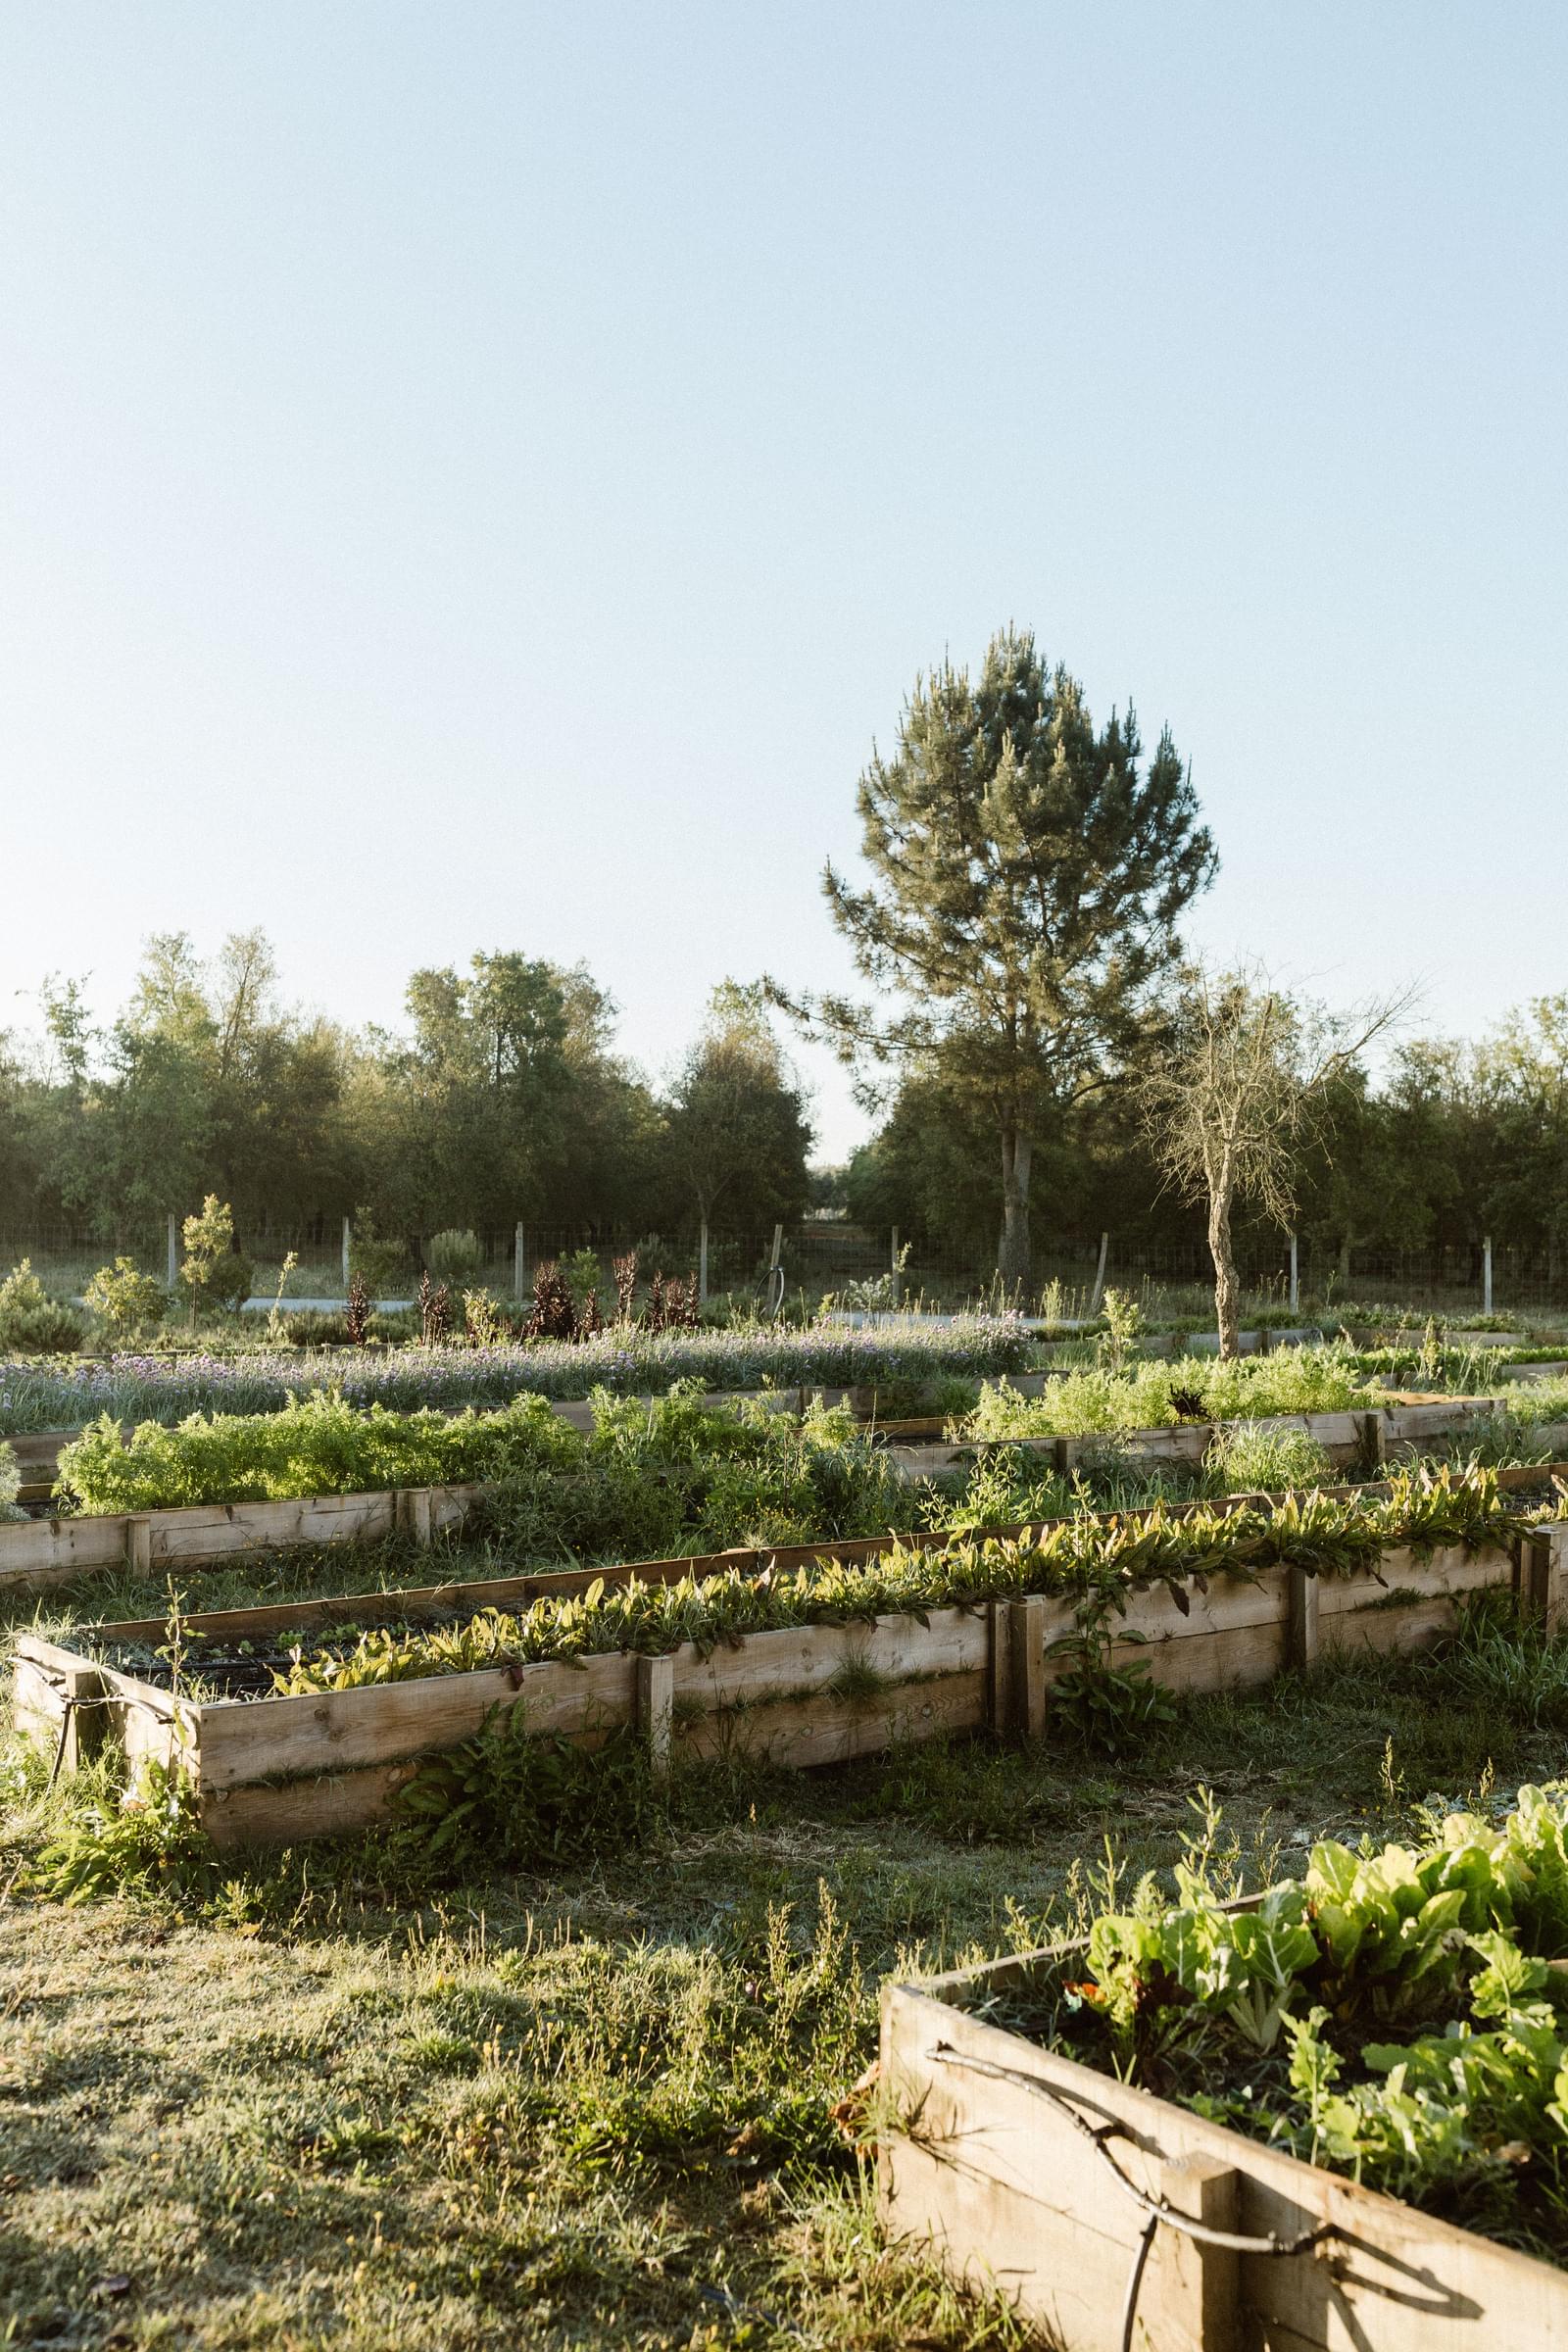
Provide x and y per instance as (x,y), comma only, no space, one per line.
(10,1483)
(31,1323)
(214,1274)
(1102,1708)
(512,1795)
(1083,1403)
(1124,1321)
(125,1299)
(1392,2014)
(145,1837)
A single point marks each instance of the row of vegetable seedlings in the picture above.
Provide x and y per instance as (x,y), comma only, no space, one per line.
(40,1553)
(38,1451)
(331,1759)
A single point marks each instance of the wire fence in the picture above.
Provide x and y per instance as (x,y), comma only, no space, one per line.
(828,1254)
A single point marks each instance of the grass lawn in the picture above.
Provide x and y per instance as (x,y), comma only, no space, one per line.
(341,2102)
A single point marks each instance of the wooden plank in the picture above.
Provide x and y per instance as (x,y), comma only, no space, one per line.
(800,1660)
(245,1741)
(290,1812)
(998,2180)
(1232,1659)
(826,1729)
(1448,1572)
(36,1554)
(215,1531)
(999,1666)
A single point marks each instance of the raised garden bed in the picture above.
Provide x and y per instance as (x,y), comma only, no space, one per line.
(333,1758)
(1114,2217)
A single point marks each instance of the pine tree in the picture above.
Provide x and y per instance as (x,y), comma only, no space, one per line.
(1027,876)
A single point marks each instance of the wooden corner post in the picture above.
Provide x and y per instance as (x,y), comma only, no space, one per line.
(1026,1665)
(656,1711)
(1191,2300)
(1300,1630)
(1544,1581)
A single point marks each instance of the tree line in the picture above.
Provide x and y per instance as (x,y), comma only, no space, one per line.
(1038,1042)
(501,1098)
(1040,1035)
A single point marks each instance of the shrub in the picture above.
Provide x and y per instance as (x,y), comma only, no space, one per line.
(381,1260)
(125,1299)
(453,1257)
(214,1273)
(31,1323)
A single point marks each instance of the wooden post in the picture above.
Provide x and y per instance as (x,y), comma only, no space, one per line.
(1300,1633)
(345,1253)
(1296,1288)
(519,1257)
(139,1546)
(1370,1430)
(702,1263)
(172,1275)
(1544,1582)
(1486,1275)
(84,1722)
(1100,1277)
(1026,1652)
(1191,2299)
(999,1681)
(895,1265)
(412,1513)
(655,1711)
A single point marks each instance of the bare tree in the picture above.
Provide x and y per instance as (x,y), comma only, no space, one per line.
(1240,1089)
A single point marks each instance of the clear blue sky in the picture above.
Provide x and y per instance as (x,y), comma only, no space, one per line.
(481,475)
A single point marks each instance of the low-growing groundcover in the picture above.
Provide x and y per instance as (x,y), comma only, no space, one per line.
(1392,2014)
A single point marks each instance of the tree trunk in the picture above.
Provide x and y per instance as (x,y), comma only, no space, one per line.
(1227,1290)
(1013,1251)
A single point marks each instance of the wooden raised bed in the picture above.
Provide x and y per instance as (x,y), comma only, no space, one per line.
(1033,2175)
(297,1766)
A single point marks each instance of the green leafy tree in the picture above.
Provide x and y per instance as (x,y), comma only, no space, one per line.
(736,1133)
(1028,872)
